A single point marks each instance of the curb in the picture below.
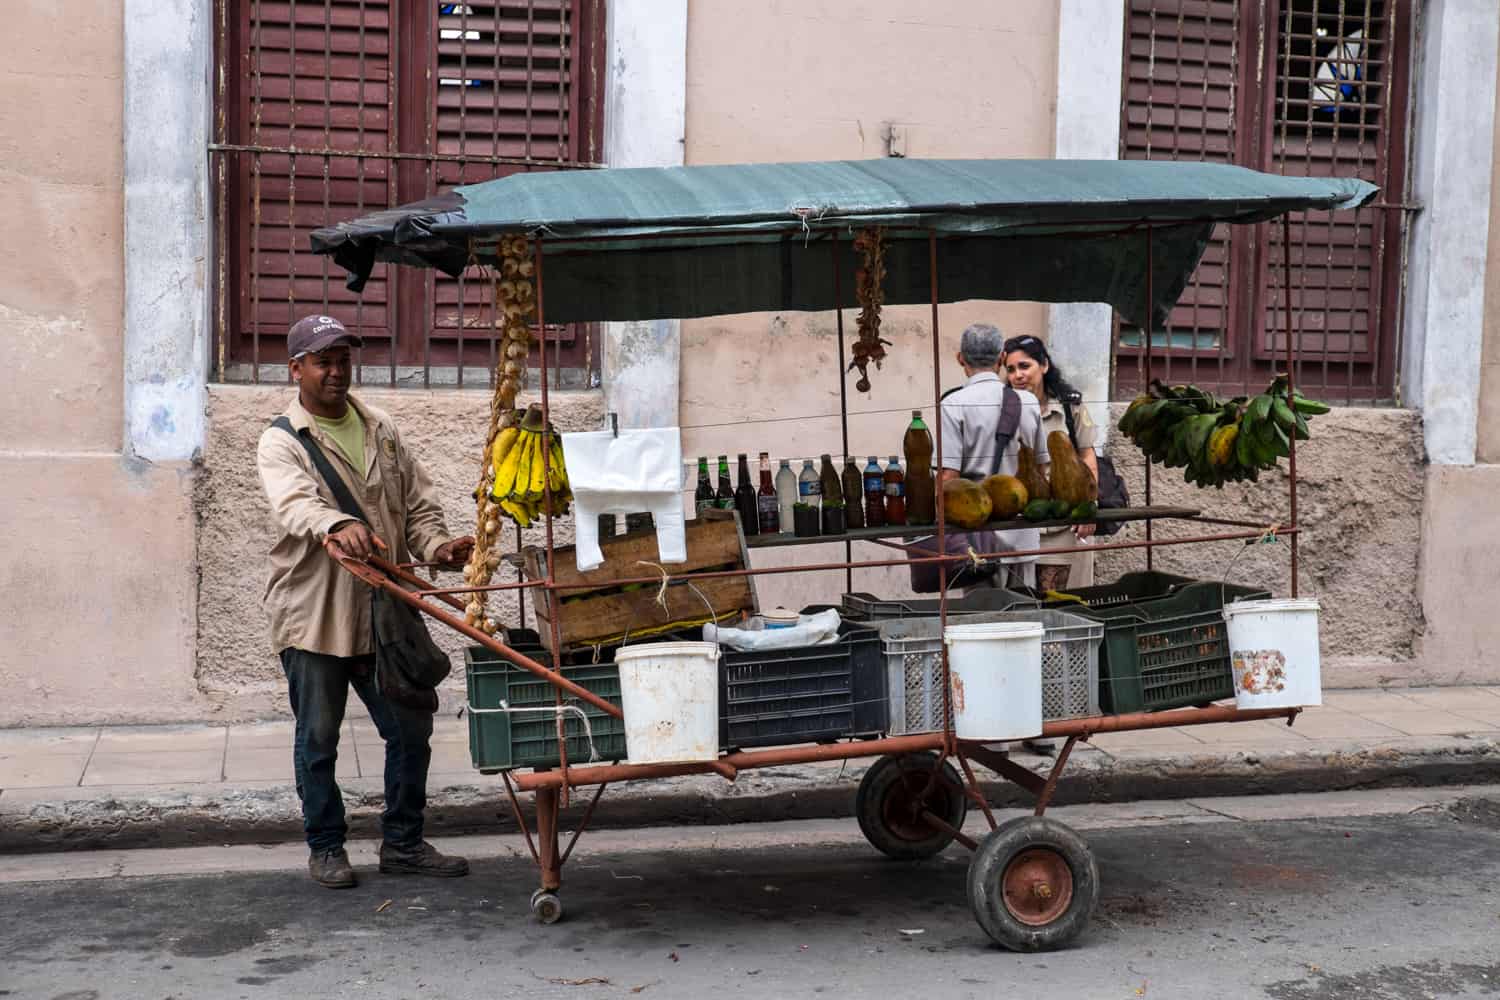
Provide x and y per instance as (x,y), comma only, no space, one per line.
(227,814)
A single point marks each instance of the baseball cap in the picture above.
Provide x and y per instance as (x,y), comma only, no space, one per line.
(311,334)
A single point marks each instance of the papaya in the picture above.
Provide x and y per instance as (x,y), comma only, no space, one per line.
(1037,510)
(1070,478)
(1030,475)
(1007,495)
(965,503)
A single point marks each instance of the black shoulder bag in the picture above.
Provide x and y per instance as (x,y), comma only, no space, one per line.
(1112,491)
(408,664)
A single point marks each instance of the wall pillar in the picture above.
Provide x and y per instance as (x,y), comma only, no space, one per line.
(168,63)
(1090,36)
(1453,149)
(645,109)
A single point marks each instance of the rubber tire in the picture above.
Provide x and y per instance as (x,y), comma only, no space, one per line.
(988,867)
(889,775)
(546,907)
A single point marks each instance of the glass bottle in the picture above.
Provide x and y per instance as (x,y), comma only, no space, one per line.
(703,498)
(854,510)
(895,492)
(786,495)
(874,493)
(744,500)
(765,499)
(724,498)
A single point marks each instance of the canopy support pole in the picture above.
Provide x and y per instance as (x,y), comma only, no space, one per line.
(838,322)
(1150,309)
(1291,379)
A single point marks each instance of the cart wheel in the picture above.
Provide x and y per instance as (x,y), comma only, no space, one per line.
(890,802)
(1033,884)
(546,907)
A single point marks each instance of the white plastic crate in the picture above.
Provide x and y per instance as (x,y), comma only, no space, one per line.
(914,666)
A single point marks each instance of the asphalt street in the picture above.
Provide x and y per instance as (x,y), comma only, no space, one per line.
(1313,907)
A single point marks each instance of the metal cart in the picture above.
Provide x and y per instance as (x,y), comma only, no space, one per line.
(684,242)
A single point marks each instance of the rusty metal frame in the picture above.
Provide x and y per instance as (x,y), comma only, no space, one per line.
(552,787)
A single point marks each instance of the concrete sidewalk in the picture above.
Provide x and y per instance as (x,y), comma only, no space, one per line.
(119,786)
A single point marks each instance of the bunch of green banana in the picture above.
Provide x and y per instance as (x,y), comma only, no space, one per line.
(523,475)
(1217,441)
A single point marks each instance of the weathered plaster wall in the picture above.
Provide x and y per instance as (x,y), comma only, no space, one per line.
(1460,553)
(60,188)
(1360,505)
(1488,430)
(814,80)
(99,556)
(235,665)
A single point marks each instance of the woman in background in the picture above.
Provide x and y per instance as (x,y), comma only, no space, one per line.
(1029,367)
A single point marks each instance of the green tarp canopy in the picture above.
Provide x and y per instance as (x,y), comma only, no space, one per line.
(678,242)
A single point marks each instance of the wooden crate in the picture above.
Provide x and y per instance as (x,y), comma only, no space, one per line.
(603,613)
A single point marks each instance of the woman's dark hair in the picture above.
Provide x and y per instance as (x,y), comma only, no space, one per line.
(1053,384)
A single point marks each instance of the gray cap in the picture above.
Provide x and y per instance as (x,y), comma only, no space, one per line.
(312,334)
(982,345)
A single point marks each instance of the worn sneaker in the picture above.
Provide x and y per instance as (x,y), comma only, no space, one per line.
(330,869)
(424,859)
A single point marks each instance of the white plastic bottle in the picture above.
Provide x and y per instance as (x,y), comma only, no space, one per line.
(809,485)
(786,494)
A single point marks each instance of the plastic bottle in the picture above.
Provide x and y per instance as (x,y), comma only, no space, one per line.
(786,495)
(874,491)
(724,498)
(828,478)
(921,501)
(853,483)
(809,486)
(765,499)
(703,498)
(895,492)
(744,500)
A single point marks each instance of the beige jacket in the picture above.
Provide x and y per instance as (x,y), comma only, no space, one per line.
(312,602)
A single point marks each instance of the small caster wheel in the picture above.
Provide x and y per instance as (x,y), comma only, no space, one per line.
(1033,884)
(891,800)
(546,907)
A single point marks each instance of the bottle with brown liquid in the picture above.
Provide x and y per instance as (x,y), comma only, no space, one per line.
(921,499)
(833,491)
(874,494)
(745,500)
(765,499)
(895,492)
(854,512)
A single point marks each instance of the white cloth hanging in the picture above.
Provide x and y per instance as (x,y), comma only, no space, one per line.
(636,470)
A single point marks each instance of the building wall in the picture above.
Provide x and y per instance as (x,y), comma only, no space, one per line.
(99,562)
(813,80)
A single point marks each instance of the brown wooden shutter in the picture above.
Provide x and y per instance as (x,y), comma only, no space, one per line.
(1181,88)
(342,103)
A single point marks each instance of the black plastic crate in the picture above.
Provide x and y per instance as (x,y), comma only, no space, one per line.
(1170,651)
(806,694)
(867,607)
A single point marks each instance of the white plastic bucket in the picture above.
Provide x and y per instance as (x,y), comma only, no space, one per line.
(1273,648)
(669,692)
(996,672)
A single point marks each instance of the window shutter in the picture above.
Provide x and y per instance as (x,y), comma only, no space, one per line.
(341,102)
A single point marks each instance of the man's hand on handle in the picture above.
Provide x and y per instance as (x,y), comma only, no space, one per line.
(353,539)
(453,555)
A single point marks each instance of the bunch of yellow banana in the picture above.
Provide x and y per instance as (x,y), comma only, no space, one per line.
(528,462)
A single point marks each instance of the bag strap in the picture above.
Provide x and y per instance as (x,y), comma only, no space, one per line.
(1009,423)
(1068,419)
(335,482)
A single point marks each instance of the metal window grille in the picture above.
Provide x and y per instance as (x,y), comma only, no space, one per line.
(330,109)
(1296,87)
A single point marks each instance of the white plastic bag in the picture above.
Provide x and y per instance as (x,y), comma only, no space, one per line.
(636,470)
(810,630)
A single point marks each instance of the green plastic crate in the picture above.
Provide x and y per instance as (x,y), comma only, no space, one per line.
(1166,652)
(500,741)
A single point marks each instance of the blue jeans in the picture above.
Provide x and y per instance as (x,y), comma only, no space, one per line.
(319,688)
